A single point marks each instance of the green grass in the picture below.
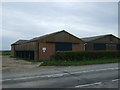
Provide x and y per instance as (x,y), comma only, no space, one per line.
(5,53)
(71,63)
(77,63)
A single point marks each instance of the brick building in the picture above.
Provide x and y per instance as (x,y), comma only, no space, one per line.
(102,42)
(44,47)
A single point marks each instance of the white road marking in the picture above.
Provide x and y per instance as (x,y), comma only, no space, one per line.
(6,79)
(98,83)
(54,75)
(61,74)
(96,70)
(107,69)
(115,80)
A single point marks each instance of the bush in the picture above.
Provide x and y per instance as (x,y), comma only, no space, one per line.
(85,55)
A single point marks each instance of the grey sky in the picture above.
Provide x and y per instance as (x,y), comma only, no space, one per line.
(32,19)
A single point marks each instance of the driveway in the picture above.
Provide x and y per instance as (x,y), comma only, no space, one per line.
(10,65)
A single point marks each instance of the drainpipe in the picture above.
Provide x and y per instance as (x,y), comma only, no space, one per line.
(37,50)
(85,46)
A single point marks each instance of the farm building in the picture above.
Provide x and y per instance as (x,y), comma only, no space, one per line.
(102,42)
(44,47)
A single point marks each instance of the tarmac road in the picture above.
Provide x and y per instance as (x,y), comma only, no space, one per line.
(90,76)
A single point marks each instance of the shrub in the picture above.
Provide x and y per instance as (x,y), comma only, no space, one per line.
(85,55)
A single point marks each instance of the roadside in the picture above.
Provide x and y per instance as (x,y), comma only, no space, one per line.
(79,62)
(102,75)
(31,74)
(16,65)
(10,65)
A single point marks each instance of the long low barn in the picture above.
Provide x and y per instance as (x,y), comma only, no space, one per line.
(102,42)
(44,47)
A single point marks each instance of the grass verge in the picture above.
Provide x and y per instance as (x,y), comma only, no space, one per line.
(71,63)
(5,53)
(77,63)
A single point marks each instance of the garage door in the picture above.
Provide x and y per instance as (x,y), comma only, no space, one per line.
(63,46)
(99,46)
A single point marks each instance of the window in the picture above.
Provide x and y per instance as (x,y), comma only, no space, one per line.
(63,46)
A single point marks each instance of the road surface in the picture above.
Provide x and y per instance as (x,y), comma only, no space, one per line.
(90,76)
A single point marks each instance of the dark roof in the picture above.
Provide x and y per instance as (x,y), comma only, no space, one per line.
(44,36)
(19,42)
(47,35)
(88,39)
(41,37)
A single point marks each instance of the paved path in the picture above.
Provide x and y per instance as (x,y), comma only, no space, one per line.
(90,76)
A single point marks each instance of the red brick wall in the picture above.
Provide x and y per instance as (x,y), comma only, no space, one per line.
(35,55)
(89,46)
(111,47)
(50,50)
(78,47)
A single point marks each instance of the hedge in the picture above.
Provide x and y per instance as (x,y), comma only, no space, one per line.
(85,55)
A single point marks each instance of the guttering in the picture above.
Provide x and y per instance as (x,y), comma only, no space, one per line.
(85,46)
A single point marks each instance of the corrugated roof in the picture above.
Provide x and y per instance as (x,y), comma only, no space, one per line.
(41,37)
(20,41)
(47,35)
(88,39)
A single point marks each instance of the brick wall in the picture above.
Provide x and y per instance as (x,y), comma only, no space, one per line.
(111,47)
(78,47)
(50,50)
(89,46)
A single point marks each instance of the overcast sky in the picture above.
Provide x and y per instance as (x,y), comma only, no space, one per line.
(32,19)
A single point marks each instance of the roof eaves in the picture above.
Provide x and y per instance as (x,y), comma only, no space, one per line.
(95,37)
(73,35)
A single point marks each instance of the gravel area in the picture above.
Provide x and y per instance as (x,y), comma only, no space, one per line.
(16,65)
